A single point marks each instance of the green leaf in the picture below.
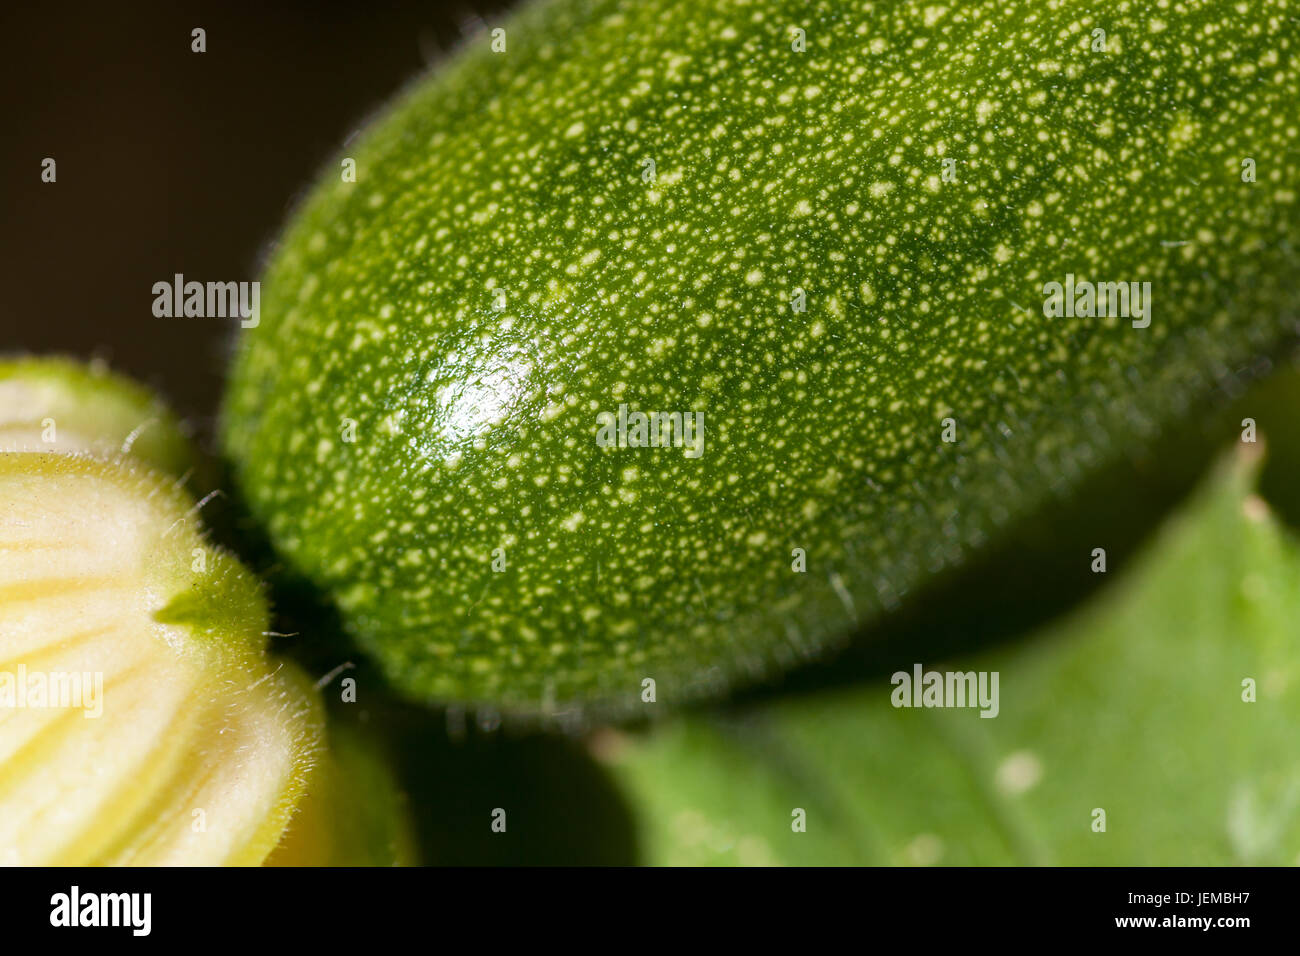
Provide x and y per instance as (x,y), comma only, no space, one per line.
(1133,705)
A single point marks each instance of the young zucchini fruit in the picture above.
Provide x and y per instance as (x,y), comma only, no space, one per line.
(646,348)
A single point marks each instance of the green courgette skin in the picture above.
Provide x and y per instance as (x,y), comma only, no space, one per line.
(508,265)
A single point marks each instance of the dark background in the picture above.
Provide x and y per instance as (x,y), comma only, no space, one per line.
(172,161)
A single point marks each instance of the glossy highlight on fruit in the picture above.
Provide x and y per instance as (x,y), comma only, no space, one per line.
(830,230)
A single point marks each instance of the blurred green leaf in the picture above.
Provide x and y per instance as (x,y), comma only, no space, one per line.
(1133,705)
